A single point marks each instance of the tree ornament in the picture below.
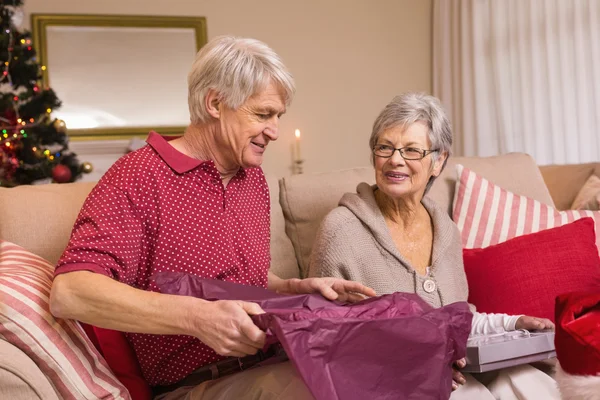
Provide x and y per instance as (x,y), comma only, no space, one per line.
(87,167)
(61,174)
(60,126)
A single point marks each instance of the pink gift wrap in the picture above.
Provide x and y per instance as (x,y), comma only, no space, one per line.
(390,347)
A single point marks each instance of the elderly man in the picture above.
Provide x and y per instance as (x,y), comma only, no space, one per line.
(197,204)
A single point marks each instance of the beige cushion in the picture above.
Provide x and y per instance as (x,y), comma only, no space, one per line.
(588,197)
(565,181)
(40,218)
(306,199)
(283,258)
(20,378)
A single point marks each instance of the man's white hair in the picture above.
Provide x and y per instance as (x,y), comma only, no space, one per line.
(236,68)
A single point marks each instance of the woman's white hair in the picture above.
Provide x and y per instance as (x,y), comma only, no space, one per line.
(408,108)
(236,68)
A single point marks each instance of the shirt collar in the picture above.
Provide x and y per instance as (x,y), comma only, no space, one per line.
(175,159)
(178,161)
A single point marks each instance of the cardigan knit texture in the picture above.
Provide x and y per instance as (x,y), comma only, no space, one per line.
(355,243)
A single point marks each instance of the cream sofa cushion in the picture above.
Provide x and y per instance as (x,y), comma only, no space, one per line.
(588,197)
(283,258)
(40,218)
(306,199)
(565,181)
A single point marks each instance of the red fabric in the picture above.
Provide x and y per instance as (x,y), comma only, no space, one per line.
(577,336)
(525,274)
(121,359)
(159,210)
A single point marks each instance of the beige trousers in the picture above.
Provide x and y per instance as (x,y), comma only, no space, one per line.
(523,382)
(282,382)
(271,382)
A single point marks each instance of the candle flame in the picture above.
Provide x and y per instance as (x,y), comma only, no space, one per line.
(297,133)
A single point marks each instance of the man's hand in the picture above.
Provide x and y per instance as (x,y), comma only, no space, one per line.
(331,288)
(532,323)
(226,327)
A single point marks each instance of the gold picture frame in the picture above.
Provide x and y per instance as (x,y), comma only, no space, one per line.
(122,25)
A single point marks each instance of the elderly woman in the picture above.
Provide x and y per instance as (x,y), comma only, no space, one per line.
(198,204)
(394,239)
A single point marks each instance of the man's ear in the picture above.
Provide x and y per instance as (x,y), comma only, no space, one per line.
(212,102)
(439,163)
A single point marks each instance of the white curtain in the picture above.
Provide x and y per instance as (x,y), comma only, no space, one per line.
(520,75)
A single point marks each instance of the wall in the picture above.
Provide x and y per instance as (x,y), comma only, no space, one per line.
(349,59)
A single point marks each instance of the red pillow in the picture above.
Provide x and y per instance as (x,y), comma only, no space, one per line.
(525,274)
(121,359)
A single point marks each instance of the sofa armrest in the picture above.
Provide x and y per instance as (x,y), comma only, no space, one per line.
(20,378)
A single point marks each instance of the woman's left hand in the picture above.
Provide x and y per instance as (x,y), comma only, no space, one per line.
(533,323)
(458,378)
(331,288)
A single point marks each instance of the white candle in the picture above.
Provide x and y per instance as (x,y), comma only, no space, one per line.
(297,144)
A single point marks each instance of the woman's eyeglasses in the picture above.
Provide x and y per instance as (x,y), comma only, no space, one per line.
(408,153)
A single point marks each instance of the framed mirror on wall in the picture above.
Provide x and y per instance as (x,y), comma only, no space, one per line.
(118,76)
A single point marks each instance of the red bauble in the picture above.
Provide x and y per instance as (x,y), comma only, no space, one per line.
(61,174)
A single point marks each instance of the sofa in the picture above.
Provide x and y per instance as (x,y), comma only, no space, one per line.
(564,182)
(39,218)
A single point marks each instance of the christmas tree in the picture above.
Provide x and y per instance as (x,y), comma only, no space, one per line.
(33,146)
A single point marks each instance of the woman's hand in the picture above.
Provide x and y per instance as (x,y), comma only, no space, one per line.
(458,378)
(533,323)
(331,288)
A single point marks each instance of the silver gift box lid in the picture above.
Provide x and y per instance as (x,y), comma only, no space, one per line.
(491,352)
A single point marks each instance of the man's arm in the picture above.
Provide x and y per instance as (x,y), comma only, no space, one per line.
(93,298)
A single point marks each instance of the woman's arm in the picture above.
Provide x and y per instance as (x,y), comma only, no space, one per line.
(326,274)
(331,254)
(485,324)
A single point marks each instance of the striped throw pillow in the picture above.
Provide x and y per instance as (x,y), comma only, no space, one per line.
(59,347)
(486,214)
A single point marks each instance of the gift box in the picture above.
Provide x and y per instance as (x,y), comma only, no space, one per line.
(492,352)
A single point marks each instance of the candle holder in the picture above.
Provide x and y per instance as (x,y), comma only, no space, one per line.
(297,167)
